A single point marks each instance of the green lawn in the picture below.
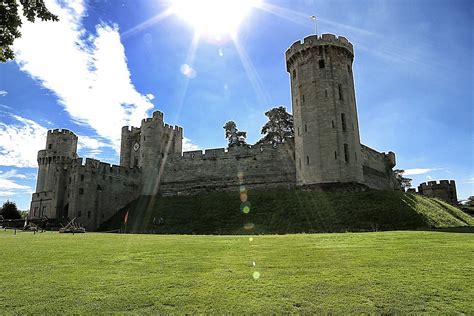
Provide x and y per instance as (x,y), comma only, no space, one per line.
(382,272)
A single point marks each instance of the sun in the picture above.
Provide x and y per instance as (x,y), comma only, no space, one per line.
(214,18)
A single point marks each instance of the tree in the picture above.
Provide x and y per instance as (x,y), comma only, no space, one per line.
(10,22)
(10,211)
(278,128)
(405,183)
(233,135)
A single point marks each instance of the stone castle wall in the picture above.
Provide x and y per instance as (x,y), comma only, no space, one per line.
(444,190)
(377,169)
(256,167)
(91,192)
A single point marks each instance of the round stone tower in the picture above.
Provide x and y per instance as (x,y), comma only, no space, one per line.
(327,142)
(61,148)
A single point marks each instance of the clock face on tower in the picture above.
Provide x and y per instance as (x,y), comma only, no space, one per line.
(136,146)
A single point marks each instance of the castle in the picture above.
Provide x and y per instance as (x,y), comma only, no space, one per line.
(326,150)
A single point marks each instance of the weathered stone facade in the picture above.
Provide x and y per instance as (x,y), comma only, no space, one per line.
(326,150)
(444,190)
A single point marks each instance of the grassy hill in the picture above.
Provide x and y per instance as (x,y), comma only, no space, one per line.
(352,273)
(282,211)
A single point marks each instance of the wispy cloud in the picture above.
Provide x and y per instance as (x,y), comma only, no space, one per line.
(88,72)
(20,142)
(3,93)
(416,171)
(90,146)
(9,187)
(189,146)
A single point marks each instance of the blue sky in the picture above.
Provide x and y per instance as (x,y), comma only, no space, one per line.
(111,63)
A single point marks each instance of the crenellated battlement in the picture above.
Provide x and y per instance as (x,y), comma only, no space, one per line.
(61,132)
(232,152)
(128,129)
(444,190)
(105,168)
(441,184)
(315,41)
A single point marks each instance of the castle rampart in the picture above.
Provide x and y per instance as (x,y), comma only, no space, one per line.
(444,190)
(377,168)
(256,167)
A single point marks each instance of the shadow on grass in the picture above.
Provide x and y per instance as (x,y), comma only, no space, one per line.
(283,212)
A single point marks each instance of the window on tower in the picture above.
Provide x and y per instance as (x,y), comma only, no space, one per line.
(343,121)
(321,64)
(346,152)
(341,95)
(294,74)
(307,160)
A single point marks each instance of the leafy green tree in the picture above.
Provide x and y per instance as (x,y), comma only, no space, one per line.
(10,22)
(233,135)
(405,183)
(278,128)
(10,211)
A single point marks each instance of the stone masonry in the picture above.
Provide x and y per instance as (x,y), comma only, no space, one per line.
(326,150)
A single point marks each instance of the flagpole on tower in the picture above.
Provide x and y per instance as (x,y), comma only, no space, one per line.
(313,17)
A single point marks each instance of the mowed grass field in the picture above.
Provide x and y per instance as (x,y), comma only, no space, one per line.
(380,272)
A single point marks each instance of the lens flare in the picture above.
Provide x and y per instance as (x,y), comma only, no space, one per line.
(245,207)
(249,226)
(256,275)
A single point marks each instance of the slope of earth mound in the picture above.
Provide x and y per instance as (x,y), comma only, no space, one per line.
(283,212)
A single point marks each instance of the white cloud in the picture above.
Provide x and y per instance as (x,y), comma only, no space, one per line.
(13,174)
(188,145)
(150,96)
(9,187)
(20,142)
(3,93)
(188,71)
(88,72)
(415,171)
(90,146)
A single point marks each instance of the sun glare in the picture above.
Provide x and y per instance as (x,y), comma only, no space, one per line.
(214,18)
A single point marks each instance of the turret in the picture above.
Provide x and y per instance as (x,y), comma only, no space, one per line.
(327,142)
(61,148)
(53,163)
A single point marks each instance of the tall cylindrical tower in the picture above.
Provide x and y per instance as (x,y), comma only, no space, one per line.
(61,148)
(327,142)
